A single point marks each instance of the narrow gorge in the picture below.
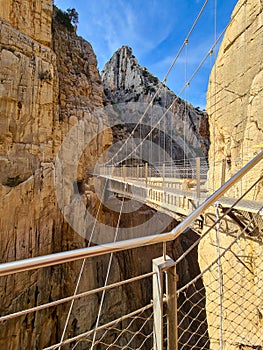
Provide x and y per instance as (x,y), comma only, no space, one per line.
(49,84)
(60,120)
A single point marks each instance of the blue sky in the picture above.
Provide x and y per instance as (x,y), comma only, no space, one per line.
(155,30)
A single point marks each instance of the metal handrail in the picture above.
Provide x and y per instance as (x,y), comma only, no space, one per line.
(67,256)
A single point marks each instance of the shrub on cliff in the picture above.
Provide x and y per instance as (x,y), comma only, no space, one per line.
(67,19)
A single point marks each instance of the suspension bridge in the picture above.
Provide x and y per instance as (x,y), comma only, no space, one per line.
(174,189)
(208,296)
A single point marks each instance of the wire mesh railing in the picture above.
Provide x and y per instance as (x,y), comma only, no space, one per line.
(221,307)
(130,331)
(217,302)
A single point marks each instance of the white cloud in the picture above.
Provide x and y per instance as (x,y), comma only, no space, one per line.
(141,25)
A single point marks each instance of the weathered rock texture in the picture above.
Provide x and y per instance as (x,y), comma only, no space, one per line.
(36,115)
(31,17)
(235,94)
(126,82)
(234,106)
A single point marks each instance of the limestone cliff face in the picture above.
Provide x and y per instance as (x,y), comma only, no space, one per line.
(235,96)
(235,93)
(79,79)
(31,17)
(126,82)
(39,105)
(35,117)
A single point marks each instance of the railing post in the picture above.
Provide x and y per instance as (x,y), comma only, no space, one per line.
(138,171)
(160,265)
(157,304)
(198,178)
(163,174)
(146,173)
(172,326)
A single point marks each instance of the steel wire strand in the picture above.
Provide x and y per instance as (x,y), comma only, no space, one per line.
(150,335)
(77,296)
(183,89)
(81,271)
(139,331)
(217,221)
(127,328)
(108,273)
(121,331)
(219,279)
(188,331)
(192,329)
(87,333)
(177,97)
(195,317)
(222,254)
(193,332)
(164,79)
(189,316)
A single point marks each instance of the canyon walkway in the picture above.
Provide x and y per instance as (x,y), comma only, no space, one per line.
(175,189)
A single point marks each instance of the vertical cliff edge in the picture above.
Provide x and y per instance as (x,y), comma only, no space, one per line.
(49,81)
(234,106)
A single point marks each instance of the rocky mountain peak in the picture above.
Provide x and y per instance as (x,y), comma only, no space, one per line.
(121,75)
(125,81)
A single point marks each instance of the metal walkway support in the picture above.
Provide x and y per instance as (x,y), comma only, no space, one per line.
(164,278)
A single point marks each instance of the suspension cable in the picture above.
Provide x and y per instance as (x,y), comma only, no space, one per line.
(77,296)
(185,103)
(219,272)
(177,97)
(81,270)
(163,81)
(218,38)
(108,273)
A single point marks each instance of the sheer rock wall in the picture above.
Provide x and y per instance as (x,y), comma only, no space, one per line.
(31,17)
(234,97)
(234,106)
(39,105)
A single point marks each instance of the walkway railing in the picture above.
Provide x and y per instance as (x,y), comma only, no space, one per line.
(181,169)
(214,301)
(175,187)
